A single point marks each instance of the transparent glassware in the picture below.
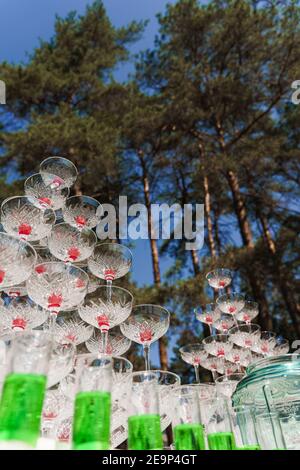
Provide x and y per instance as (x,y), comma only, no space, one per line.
(54,405)
(248,312)
(69,327)
(240,356)
(82,212)
(245,336)
(105,308)
(290,425)
(21,313)
(219,278)
(58,172)
(188,432)
(244,428)
(117,343)
(231,303)
(15,253)
(167,381)
(217,345)
(215,365)
(265,344)
(110,261)
(146,324)
(282,346)
(218,426)
(24,388)
(56,286)
(61,362)
(91,422)
(224,323)
(269,432)
(25,218)
(35,187)
(144,432)
(194,354)
(209,314)
(70,244)
(16,291)
(226,384)
(121,390)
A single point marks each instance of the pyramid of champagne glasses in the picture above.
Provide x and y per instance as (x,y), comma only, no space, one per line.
(66,325)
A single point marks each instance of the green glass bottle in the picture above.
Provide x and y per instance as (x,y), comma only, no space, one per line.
(189,437)
(91,428)
(221,441)
(144,432)
(21,407)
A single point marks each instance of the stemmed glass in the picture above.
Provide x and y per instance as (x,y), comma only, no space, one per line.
(69,327)
(217,345)
(14,253)
(146,324)
(61,362)
(266,343)
(58,172)
(105,308)
(82,212)
(35,187)
(231,304)
(70,244)
(240,356)
(20,313)
(194,354)
(224,323)
(226,384)
(56,287)
(209,314)
(245,336)
(248,312)
(24,217)
(110,261)
(117,343)
(219,278)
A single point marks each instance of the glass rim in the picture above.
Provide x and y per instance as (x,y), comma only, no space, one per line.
(224,378)
(219,269)
(166,372)
(65,188)
(124,247)
(123,359)
(57,157)
(163,309)
(112,287)
(211,337)
(144,373)
(24,196)
(66,266)
(85,229)
(244,326)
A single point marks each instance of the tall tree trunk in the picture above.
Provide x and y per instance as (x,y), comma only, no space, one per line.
(280,280)
(207,205)
(195,261)
(163,352)
(246,234)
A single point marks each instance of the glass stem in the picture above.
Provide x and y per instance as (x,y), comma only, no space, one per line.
(196,367)
(52,321)
(104,337)
(214,375)
(109,285)
(146,351)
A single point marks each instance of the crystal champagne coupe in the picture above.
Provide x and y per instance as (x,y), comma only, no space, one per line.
(245,336)
(248,312)
(14,253)
(146,324)
(69,327)
(219,278)
(105,308)
(25,218)
(117,343)
(82,212)
(217,345)
(57,287)
(265,344)
(110,261)
(144,432)
(224,323)
(35,187)
(231,303)
(58,172)
(70,244)
(226,384)
(92,413)
(209,314)
(194,354)
(21,314)
(24,388)
(188,432)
